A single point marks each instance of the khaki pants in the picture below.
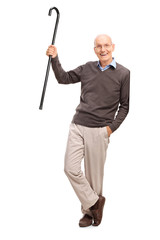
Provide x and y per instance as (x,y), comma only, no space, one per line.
(91,145)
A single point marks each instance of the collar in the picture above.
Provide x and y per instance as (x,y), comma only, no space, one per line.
(112,64)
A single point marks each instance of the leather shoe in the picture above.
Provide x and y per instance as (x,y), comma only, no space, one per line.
(97,210)
(85,221)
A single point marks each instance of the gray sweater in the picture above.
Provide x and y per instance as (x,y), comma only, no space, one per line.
(104,99)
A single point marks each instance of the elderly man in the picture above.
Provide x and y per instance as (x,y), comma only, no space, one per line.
(104,104)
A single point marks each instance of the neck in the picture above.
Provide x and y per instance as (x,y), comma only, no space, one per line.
(105,63)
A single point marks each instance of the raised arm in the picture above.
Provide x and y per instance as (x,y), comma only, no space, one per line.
(62,76)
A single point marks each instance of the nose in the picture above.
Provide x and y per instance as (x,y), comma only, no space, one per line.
(103,48)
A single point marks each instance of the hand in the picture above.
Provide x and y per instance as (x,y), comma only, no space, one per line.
(51,51)
(109,131)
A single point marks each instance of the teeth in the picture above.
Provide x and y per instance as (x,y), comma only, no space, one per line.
(103,54)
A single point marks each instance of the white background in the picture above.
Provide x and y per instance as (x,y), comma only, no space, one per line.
(36,199)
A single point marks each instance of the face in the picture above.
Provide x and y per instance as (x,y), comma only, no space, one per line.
(103,49)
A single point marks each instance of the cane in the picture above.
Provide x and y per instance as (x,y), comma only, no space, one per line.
(50,57)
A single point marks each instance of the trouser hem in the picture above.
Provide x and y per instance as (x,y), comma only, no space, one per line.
(87,206)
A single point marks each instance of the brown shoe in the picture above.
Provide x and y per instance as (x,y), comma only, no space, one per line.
(85,221)
(97,210)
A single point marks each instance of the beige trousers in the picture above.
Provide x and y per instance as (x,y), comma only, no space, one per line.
(91,145)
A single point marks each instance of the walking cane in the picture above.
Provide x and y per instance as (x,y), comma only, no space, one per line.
(50,57)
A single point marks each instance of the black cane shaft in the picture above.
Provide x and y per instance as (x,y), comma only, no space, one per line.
(55,30)
(50,57)
(45,83)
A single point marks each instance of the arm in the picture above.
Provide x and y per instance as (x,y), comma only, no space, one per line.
(62,76)
(124,103)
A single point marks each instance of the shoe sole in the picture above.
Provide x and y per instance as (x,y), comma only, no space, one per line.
(85,225)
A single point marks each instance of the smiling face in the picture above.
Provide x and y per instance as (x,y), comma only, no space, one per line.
(103,48)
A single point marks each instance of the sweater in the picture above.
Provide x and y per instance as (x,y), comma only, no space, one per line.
(104,99)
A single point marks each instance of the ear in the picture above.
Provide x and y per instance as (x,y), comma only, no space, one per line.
(95,50)
(113,47)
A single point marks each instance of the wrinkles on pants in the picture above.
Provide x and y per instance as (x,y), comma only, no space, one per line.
(89,144)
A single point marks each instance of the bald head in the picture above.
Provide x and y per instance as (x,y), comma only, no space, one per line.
(102,36)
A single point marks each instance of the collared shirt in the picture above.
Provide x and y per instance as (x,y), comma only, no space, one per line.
(113,64)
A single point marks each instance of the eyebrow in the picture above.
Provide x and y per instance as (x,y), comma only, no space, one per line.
(104,44)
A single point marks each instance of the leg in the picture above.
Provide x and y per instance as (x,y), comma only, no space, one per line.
(73,157)
(95,144)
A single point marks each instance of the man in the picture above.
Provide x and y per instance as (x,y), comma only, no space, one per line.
(104,104)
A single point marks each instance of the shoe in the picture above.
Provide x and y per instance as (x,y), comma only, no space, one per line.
(85,221)
(97,210)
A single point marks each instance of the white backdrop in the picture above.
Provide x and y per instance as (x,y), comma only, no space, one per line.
(36,199)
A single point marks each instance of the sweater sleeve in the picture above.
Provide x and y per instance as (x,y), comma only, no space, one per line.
(64,77)
(124,103)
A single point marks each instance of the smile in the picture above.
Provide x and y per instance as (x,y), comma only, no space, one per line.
(103,54)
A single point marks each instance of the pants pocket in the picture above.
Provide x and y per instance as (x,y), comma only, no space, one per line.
(106,134)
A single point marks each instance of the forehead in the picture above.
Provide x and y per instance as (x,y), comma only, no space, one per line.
(103,39)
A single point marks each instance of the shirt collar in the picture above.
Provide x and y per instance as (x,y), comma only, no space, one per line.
(113,64)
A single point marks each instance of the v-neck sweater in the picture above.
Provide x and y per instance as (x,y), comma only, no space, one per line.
(104,99)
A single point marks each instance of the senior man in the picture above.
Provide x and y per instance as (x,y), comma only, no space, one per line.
(104,104)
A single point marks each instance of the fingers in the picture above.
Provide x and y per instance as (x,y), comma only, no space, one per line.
(109,131)
(51,51)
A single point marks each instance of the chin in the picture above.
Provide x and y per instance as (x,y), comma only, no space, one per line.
(104,59)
